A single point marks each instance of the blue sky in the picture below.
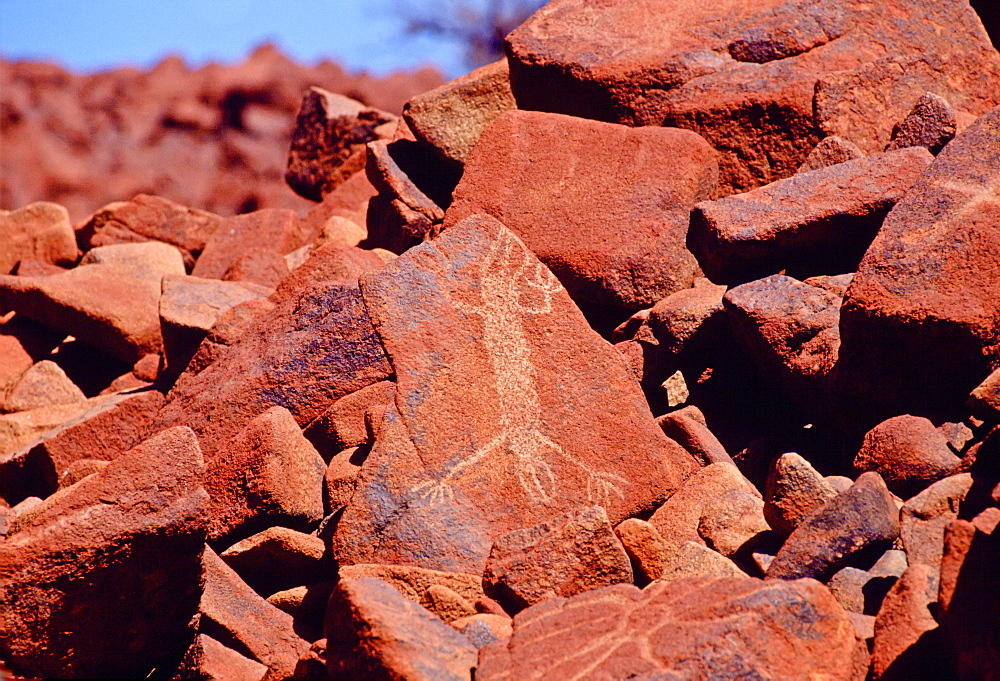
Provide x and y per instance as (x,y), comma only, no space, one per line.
(89,35)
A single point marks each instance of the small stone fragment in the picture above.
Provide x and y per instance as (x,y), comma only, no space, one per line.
(924,517)
(931,123)
(687,427)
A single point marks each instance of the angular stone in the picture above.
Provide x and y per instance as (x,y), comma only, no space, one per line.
(497,442)
(328,145)
(793,490)
(903,330)
(24,427)
(117,552)
(78,470)
(151,218)
(374,632)
(347,208)
(147,260)
(276,559)
(22,343)
(790,329)
(341,478)
(931,123)
(447,604)
(330,263)
(689,317)
(687,427)
(98,304)
(984,401)
(416,583)
(863,516)
(697,560)
(677,519)
(730,523)
(209,659)
(859,591)
(483,629)
(304,354)
(924,517)
(567,555)
(622,246)
(40,231)
(451,118)
(259,265)
(232,613)
(744,75)
(350,421)
(269,474)
(820,222)
(908,452)
(270,229)
(190,306)
(710,627)
(830,151)
(904,646)
(644,546)
(45,384)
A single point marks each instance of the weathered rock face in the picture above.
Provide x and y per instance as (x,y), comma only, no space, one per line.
(103,578)
(303,355)
(677,629)
(622,246)
(473,319)
(924,306)
(744,73)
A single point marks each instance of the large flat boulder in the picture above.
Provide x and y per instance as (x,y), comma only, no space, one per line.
(744,73)
(509,410)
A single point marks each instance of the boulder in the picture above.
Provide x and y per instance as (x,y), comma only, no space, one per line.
(793,490)
(103,578)
(908,452)
(864,516)
(622,246)
(902,330)
(820,222)
(565,556)
(485,435)
(707,627)
(277,559)
(328,145)
(744,75)
(40,231)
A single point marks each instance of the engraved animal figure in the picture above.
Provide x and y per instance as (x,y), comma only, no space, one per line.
(512,284)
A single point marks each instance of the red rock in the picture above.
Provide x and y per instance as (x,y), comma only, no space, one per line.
(341,478)
(78,470)
(903,330)
(793,490)
(689,318)
(744,75)
(908,452)
(117,552)
(150,218)
(931,123)
(40,232)
(417,584)
(621,246)
(687,427)
(483,629)
(44,384)
(374,632)
(645,548)
(330,263)
(450,118)
(148,260)
(349,201)
(262,266)
(303,355)
(269,474)
(103,429)
(349,422)
(830,151)
(328,145)
(677,519)
(827,538)
(692,559)
(22,343)
(984,400)
(732,523)
(790,330)
(275,230)
(95,303)
(277,559)
(904,646)
(23,427)
(189,307)
(497,442)
(233,613)
(714,627)
(573,553)
(819,222)
(209,659)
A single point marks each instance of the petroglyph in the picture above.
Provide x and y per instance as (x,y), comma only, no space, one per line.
(512,284)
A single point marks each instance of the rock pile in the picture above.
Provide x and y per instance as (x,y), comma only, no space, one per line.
(666,348)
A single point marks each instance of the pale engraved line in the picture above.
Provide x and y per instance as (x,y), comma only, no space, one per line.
(502,273)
